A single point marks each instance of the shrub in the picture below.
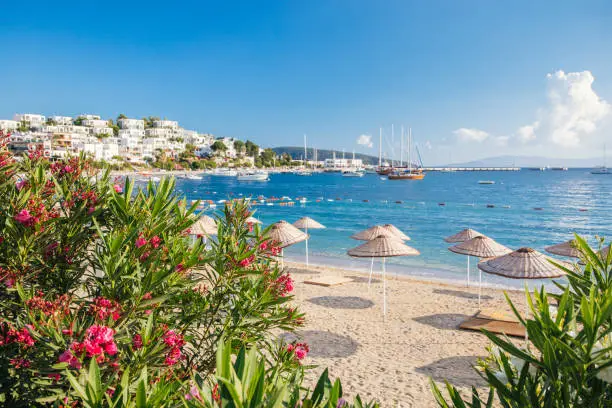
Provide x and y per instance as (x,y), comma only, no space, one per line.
(569,360)
(106,300)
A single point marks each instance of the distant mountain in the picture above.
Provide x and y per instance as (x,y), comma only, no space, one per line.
(530,161)
(297,153)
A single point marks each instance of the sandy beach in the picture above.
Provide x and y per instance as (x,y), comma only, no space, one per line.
(392,360)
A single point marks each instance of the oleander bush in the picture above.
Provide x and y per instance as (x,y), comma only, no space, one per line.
(107,300)
(569,359)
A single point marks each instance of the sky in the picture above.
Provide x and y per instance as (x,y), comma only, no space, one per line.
(472,79)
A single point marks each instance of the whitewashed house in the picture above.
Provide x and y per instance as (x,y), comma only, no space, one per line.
(31,119)
(8,125)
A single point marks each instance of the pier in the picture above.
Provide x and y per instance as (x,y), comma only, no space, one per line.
(451,169)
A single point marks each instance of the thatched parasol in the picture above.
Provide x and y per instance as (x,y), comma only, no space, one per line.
(567,248)
(462,236)
(252,220)
(383,247)
(283,235)
(204,226)
(481,247)
(397,232)
(387,230)
(305,223)
(524,263)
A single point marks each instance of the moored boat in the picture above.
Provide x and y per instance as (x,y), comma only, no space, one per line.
(253,176)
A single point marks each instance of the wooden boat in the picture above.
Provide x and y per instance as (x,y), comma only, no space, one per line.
(409,173)
(413,175)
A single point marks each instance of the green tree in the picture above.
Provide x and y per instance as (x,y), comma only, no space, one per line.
(251,148)
(121,116)
(239,146)
(51,122)
(79,121)
(218,146)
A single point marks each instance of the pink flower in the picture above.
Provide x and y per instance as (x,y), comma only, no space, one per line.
(137,342)
(24,217)
(68,169)
(98,340)
(247,261)
(91,210)
(140,242)
(20,362)
(21,184)
(179,268)
(299,350)
(155,241)
(118,189)
(71,359)
(54,376)
(193,393)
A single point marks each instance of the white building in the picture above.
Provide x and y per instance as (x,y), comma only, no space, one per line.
(343,163)
(31,119)
(96,123)
(8,125)
(127,123)
(65,129)
(138,133)
(229,143)
(90,117)
(62,120)
(170,124)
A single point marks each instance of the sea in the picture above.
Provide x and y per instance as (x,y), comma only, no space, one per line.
(521,209)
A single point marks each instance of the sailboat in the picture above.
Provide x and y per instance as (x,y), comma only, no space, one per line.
(410,173)
(304,171)
(603,169)
(382,170)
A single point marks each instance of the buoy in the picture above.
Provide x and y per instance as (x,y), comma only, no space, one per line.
(366,201)
(583,210)
(398,202)
(490,206)
(441,204)
(538,208)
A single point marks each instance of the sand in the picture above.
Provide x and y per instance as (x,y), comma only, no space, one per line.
(392,360)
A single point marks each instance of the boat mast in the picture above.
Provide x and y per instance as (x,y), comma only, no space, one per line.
(392,141)
(402,147)
(410,150)
(305,154)
(380,148)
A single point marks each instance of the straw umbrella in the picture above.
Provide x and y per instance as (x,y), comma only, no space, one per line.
(383,247)
(567,248)
(204,226)
(387,230)
(305,223)
(252,220)
(461,236)
(524,263)
(481,247)
(284,234)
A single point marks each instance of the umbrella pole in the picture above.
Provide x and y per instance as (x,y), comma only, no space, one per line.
(306,246)
(468,271)
(371,271)
(282,258)
(479,286)
(384,289)
(526,316)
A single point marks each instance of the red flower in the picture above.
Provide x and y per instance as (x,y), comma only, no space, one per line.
(137,342)
(71,359)
(118,189)
(174,342)
(20,336)
(140,242)
(247,261)
(99,340)
(104,308)
(299,350)
(19,362)
(24,217)
(155,241)
(179,268)
(54,376)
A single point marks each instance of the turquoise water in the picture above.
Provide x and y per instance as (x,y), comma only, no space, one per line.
(570,201)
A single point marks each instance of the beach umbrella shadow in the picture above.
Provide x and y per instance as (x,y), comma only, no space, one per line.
(324,344)
(342,302)
(444,321)
(459,368)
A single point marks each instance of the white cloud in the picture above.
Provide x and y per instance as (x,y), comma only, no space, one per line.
(502,140)
(527,133)
(471,135)
(365,140)
(575,109)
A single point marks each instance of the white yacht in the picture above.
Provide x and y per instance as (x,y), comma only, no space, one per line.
(352,173)
(225,172)
(193,177)
(253,176)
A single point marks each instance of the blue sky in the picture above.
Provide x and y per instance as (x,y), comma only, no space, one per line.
(272,71)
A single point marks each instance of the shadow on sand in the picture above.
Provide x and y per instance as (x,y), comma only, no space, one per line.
(324,344)
(342,302)
(458,370)
(445,321)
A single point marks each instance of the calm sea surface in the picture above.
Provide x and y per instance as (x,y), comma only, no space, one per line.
(531,208)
